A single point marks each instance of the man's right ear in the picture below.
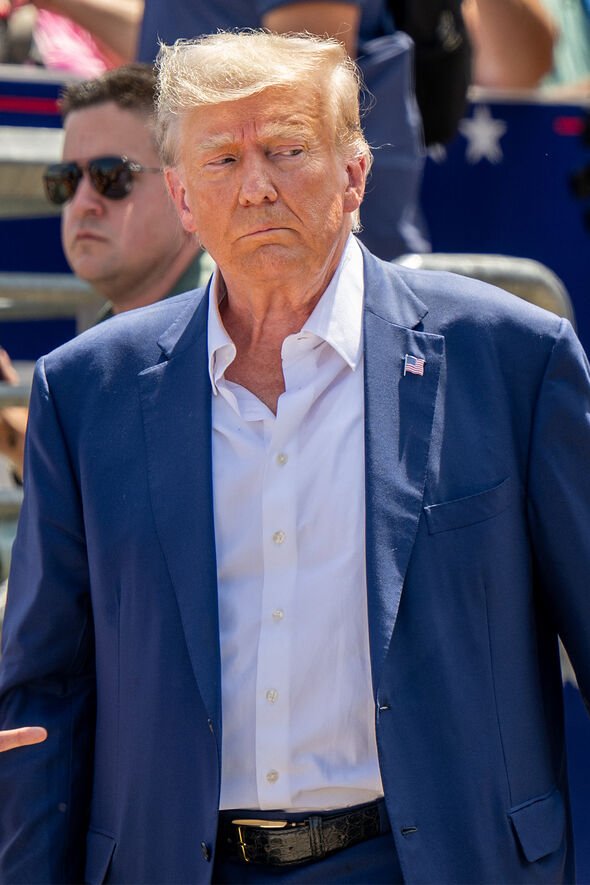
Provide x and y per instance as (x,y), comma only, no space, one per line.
(177,191)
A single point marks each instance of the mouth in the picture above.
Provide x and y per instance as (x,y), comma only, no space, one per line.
(84,235)
(265,229)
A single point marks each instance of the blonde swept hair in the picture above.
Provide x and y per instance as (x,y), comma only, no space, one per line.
(231,65)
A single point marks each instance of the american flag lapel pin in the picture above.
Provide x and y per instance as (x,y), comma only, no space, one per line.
(413,364)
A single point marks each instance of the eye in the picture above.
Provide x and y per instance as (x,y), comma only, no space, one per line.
(288,152)
(219,161)
(225,160)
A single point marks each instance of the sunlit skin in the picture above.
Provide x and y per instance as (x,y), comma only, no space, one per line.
(132,250)
(21,737)
(261,182)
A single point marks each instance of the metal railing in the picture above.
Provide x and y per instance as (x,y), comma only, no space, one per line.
(14,394)
(530,280)
(10,503)
(24,153)
(41,297)
(47,296)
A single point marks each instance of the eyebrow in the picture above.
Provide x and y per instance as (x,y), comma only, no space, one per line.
(275,130)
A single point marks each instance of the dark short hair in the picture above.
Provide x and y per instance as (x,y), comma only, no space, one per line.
(131,87)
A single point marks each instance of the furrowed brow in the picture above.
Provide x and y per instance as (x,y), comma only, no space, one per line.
(291,129)
(217,142)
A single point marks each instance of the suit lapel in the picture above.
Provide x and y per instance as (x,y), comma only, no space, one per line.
(399,414)
(176,406)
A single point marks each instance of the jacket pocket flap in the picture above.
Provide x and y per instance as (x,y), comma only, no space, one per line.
(99,851)
(470,510)
(539,825)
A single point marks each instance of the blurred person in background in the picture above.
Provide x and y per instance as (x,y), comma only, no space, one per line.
(84,37)
(513,39)
(120,231)
(570,75)
(512,42)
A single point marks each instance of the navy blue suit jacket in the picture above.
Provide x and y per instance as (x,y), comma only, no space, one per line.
(478,554)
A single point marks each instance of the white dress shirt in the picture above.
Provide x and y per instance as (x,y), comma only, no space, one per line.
(289,501)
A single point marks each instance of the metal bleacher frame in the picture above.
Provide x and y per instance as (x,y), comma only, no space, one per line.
(528,279)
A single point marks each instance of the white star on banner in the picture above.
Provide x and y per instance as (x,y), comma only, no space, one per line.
(483,134)
(437,153)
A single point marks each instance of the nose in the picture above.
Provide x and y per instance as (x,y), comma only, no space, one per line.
(256,183)
(86,200)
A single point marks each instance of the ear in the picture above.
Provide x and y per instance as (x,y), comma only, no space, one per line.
(177,191)
(355,189)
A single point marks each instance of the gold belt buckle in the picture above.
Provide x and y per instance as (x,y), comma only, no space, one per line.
(240,823)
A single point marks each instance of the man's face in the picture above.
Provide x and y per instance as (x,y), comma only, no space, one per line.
(114,244)
(262,184)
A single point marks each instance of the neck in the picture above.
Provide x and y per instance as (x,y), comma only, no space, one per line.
(152,286)
(265,311)
(259,316)
(252,321)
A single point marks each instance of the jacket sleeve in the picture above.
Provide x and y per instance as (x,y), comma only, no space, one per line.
(559,497)
(47,665)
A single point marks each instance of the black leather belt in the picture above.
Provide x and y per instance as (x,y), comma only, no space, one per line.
(285,842)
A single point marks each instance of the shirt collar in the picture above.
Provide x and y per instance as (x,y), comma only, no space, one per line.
(222,350)
(337,317)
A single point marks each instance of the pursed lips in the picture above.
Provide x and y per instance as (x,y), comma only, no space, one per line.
(89,235)
(265,229)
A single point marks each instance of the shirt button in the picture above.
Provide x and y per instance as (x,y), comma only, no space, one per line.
(282,459)
(272,696)
(279,537)
(272,776)
(278,614)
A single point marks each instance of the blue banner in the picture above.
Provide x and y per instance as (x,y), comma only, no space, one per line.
(516,181)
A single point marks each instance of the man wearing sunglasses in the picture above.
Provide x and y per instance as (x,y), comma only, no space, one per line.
(120,231)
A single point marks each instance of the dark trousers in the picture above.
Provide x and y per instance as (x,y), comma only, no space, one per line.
(372,861)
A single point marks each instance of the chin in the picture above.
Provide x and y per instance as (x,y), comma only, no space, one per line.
(272,255)
(88,269)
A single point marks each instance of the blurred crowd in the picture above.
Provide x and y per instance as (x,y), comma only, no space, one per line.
(516,43)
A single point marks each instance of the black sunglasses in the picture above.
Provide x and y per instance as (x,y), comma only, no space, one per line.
(112,177)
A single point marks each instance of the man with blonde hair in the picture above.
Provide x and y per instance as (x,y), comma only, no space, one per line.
(300,622)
